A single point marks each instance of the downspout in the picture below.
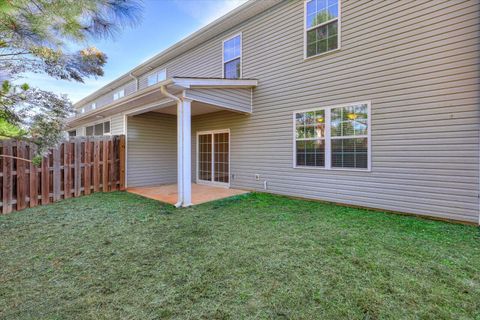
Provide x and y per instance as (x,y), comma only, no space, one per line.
(164,91)
(137,83)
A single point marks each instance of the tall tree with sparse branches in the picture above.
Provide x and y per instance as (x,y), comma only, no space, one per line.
(37,36)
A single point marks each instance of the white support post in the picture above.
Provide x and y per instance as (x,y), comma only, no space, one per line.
(179,153)
(187,152)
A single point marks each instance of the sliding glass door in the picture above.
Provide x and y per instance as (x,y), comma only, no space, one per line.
(213,157)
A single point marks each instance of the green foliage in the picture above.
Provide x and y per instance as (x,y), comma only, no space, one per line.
(258,256)
(37,161)
(37,36)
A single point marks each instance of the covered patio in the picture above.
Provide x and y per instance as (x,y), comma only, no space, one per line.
(200,193)
(157,121)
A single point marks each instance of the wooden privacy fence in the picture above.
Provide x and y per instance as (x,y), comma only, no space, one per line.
(79,166)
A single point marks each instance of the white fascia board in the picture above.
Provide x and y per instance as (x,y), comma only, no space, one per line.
(189,83)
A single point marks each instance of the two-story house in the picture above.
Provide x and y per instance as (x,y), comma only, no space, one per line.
(365,103)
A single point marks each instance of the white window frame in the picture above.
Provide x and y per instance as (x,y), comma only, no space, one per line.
(82,110)
(305,30)
(93,124)
(241,54)
(328,137)
(119,94)
(93,106)
(156,74)
(214,183)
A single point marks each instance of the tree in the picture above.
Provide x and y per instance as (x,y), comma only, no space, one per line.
(38,36)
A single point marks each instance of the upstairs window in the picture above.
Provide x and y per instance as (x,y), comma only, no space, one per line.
(82,110)
(322,26)
(99,129)
(232,57)
(93,106)
(156,77)
(119,94)
(333,137)
(72,133)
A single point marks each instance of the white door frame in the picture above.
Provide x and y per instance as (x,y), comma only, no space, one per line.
(214,183)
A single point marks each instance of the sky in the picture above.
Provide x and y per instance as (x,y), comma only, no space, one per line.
(164,23)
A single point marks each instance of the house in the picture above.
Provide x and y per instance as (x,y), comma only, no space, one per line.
(366,103)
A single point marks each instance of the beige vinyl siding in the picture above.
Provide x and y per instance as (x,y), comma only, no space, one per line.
(108,98)
(423,85)
(116,124)
(151,149)
(416,61)
(234,99)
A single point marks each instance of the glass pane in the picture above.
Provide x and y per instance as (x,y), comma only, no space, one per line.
(231,48)
(309,132)
(72,133)
(349,121)
(152,79)
(310,118)
(98,130)
(320,153)
(300,152)
(205,157)
(232,69)
(350,153)
(221,157)
(89,131)
(106,127)
(300,118)
(311,7)
(300,132)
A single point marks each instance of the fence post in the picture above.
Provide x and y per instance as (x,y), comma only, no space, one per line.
(122,162)
(7,178)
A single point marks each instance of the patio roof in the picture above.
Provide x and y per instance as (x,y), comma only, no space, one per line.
(229,94)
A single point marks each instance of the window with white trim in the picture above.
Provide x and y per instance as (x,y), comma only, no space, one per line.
(82,110)
(119,94)
(232,57)
(93,106)
(322,26)
(156,77)
(99,129)
(72,133)
(333,137)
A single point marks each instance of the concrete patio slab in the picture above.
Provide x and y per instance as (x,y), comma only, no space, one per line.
(200,193)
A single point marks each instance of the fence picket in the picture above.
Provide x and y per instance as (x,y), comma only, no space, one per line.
(96,165)
(45,181)
(21,176)
(86,167)
(105,166)
(56,175)
(7,178)
(88,164)
(33,177)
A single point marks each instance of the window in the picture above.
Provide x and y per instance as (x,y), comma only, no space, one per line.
(232,57)
(93,106)
(119,94)
(333,137)
(322,26)
(98,129)
(72,133)
(156,77)
(82,110)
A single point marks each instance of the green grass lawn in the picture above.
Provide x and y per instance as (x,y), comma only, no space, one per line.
(118,255)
